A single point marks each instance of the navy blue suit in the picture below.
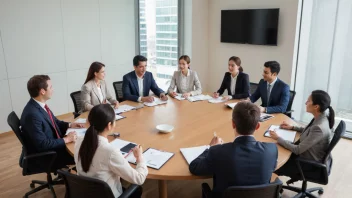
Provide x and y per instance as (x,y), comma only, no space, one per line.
(241,89)
(243,162)
(130,86)
(39,133)
(279,96)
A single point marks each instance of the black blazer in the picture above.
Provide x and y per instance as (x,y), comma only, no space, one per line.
(243,162)
(242,86)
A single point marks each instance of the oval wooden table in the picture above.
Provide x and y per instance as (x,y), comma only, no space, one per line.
(194,122)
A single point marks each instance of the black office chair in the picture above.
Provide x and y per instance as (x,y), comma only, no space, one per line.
(81,186)
(33,163)
(118,90)
(76,99)
(271,190)
(253,87)
(289,106)
(324,168)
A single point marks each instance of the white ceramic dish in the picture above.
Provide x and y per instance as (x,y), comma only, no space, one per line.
(165,128)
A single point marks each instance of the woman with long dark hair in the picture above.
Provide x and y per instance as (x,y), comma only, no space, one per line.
(315,137)
(96,157)
(94,90)
(235,81)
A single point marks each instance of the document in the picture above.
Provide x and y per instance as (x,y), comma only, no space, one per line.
(283,133)
(119,144)
(81,120)
(153,158)
(119,117)
(79,132)
(200,97)
(179,97)
(124,108)
(193,152)
(231,105)
(217,100)
(157,101)
(265,117)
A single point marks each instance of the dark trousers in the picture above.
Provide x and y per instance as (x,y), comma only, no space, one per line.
(136,194)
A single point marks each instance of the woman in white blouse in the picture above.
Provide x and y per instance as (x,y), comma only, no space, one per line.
(95,157)
(94,90)
(185,80)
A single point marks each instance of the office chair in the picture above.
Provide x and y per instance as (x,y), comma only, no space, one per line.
(324,168)
(118,90)
(76,99)
(81,186)
(271,190)
(253,87)
(289,106)
(34,163)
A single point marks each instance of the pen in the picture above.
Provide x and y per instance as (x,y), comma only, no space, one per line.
(128,153)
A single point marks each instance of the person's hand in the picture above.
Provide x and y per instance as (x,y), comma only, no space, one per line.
(77,125)
(262,109)
(116,105)
(104,101)
(147,99)
(138,153)
(273,135)
(173,94)
(186,95)
(215,141)
(226,98)
(163,97)
(285,125)
(246,99)
(216,95)
(71,137)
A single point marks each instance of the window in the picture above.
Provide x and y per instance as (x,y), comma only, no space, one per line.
(159,37)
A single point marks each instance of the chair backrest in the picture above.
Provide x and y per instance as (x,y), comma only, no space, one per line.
(76,99)
(292,97)
(253,87)
(339,132)
(14,122)
(271,190)
(118,90)
(81,186)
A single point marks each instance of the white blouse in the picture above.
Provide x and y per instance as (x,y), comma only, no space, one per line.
(109,165)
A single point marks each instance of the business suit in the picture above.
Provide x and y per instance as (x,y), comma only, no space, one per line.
(312,144)
(279,96)
(242,162)
(130,87)
(193,85)
(241,89)
(90,95)
(40,136)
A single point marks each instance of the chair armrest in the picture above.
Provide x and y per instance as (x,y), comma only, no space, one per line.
(129,191)
(51,155)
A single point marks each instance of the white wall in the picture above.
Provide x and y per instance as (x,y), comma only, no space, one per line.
(61,38)
(252,56)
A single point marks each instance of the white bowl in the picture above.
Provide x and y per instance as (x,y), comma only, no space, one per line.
(165,128)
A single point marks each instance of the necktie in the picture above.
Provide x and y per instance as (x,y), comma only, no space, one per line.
(52,120)
(268,94)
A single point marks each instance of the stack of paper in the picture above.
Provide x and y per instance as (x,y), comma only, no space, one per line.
(283,133)
(124,108)
(217,100)
(193,152)
(199,98)
(231,105)
(79,132)
(156,101)
(154,158)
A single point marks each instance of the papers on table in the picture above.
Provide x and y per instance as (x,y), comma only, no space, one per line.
(119,117)
(179,97)
(79,132)
(81,120)
(153,158)
(124,108)
(157,101)
(231,105)
(199,98)
(283,133)
(265,117)
(192,153)
(217,100)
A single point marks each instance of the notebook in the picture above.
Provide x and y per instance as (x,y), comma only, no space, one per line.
(120,144)
(283,133)
(153,158)
(119,117)
(79,132)
(200,97)
(81,120)
(124,108)
(179,97)
(157,101)
(217,100)
(193,152)
(231,105)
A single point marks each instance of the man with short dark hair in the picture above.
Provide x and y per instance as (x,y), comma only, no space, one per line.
(41,130)
(244,161)
(137,84)
(275,94)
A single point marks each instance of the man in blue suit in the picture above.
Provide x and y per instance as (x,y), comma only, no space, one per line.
(137,84)
(275,94)
(242,162)
(41,130)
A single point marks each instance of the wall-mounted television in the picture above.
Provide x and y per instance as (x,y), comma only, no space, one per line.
(252,26)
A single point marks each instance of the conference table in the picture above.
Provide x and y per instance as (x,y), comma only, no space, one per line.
(194,125)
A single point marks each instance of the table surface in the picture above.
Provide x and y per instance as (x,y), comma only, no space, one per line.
(194,122)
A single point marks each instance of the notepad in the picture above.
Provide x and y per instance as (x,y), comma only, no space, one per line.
(265,117)
(231,105)
(283,133)
(124,108)
(119,117)
(157,101)
(81,120)
(179,97)
(217,100)
(193,152)
(153,158)
(79,132)
(200,97)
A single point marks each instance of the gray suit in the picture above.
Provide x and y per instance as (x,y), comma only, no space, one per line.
(192,83)
(314,140)
(90,96)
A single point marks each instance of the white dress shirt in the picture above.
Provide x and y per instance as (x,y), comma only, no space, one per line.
(233,84)
(140,87)
(109,165)
(100,93)
(184,82)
